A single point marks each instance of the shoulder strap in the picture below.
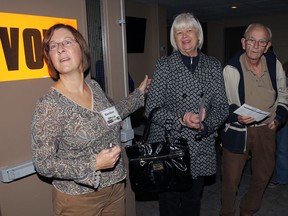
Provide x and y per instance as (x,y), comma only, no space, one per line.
(148,124)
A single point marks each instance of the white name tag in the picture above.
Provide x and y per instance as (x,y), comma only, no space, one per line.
(111,116)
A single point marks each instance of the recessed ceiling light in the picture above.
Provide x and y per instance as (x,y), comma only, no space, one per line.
(234,7)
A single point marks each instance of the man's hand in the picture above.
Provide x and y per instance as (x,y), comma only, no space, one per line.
(274,125)
(245,119)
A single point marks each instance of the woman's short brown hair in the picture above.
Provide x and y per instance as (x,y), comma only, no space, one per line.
(79,39)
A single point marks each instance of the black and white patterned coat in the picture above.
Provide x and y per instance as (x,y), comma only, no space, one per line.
(177,90)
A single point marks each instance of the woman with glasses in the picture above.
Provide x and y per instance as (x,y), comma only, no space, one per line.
(76,131)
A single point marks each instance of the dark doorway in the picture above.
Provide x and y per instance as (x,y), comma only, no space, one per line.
(232,38)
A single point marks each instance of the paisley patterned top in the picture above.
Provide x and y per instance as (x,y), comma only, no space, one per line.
(178,89)
(66,138)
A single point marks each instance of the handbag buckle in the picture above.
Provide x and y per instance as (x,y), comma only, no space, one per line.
(142,163)
(158,166)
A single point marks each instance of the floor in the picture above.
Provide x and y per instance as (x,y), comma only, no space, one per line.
(275,201)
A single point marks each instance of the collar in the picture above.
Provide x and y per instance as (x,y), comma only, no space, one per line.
(190,62)
(247,67)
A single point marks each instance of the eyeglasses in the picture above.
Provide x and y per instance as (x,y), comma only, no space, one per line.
(69,42)
(261,43)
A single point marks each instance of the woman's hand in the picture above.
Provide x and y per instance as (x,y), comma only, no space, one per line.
(107,158)
(192,120)
(145,84)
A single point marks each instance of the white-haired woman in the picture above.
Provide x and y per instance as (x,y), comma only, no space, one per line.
(180,82)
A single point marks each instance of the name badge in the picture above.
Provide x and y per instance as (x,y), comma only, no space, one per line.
(111,116)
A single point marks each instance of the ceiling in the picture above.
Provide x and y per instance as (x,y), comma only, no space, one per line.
(209,10)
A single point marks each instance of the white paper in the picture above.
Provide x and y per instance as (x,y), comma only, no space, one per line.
(246,110)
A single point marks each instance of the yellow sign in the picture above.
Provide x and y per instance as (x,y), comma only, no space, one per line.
(20,45)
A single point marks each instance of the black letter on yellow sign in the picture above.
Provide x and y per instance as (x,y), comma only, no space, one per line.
(32,47)
(10,49)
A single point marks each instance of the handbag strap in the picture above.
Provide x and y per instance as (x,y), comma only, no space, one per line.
(167,132)
(148,124)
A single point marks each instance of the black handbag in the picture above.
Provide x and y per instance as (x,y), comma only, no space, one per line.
(159,166)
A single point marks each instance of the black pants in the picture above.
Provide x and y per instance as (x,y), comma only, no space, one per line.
(182,203)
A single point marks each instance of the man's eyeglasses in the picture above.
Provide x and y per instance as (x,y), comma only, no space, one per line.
(53,46)
(261,43)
